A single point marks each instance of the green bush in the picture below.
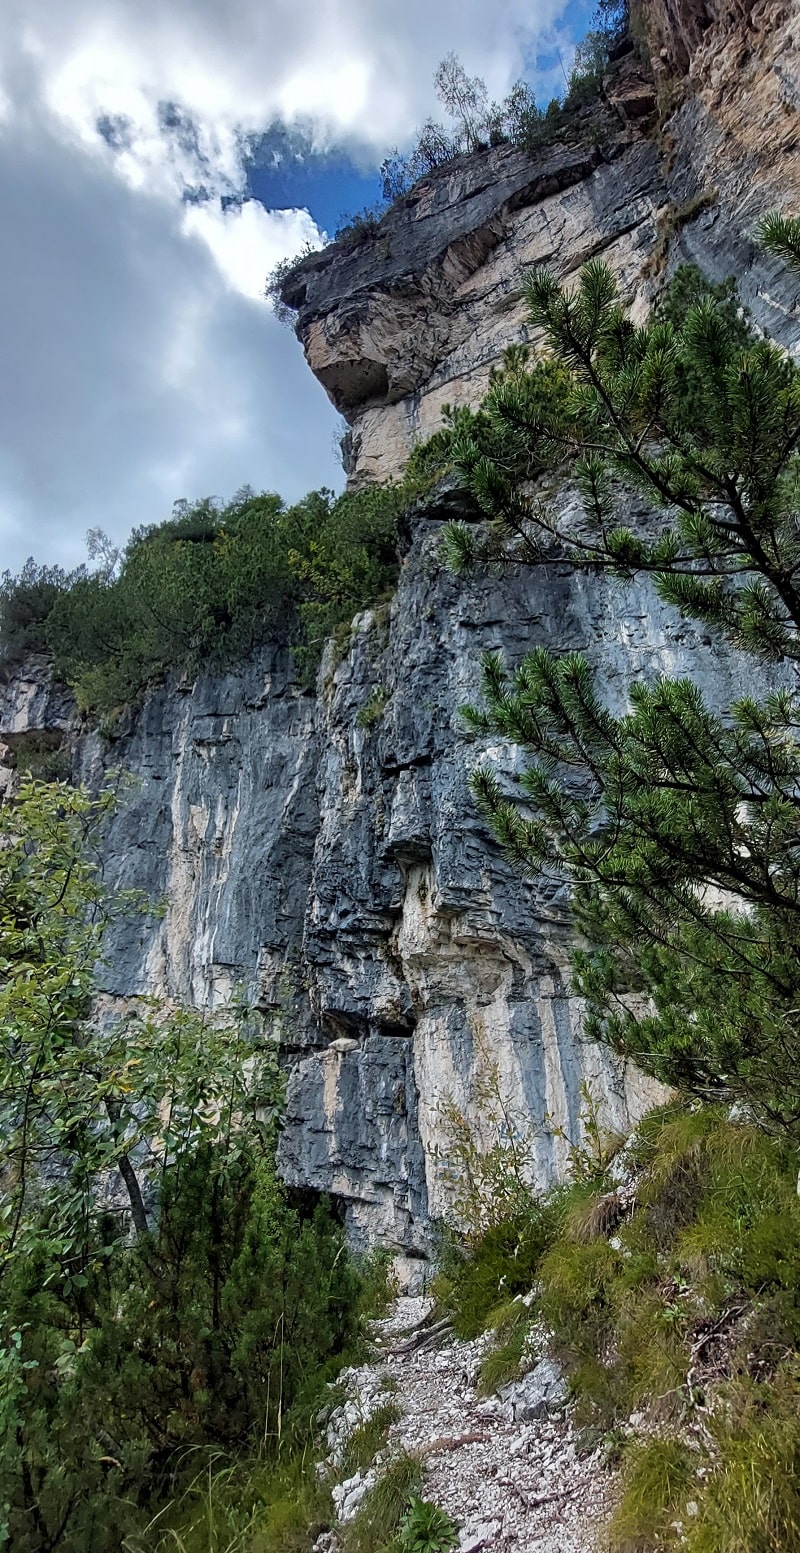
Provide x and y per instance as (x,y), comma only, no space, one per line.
(211,1334)
(504,1262)
(358,228)
(204,588)
(39,759)
(426,1528)
(26,602)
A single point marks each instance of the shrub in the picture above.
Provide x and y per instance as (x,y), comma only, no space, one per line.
(206,587)
(503,1262)
(426,1528)
(26,602)
(358,228)
(205,1336)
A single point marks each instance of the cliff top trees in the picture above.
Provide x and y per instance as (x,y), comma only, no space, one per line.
(651,815)
(476,122)
(205,588)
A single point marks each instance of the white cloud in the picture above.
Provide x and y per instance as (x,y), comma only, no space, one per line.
(133,374)
(247,241)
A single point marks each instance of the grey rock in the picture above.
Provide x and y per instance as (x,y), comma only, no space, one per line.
(347,1496)
(341,878)
(542,1391)
(418,313)
(484,1535)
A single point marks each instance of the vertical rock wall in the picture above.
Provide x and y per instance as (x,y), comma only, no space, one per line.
(323,856)
(322,853)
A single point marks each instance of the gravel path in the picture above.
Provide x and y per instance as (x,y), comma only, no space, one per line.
(511,1483)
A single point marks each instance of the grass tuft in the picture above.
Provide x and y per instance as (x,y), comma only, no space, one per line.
(506,1360)
(751,1498)
(367,1439)
(657,1478)
(376,1522)
(242,1506)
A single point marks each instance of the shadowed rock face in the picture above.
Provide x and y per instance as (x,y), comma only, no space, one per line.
(339,875)
(337,872)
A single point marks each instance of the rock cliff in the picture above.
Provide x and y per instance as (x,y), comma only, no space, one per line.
(322,852)
(415,316)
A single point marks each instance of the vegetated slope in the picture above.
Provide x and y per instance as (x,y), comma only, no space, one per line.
(203,589)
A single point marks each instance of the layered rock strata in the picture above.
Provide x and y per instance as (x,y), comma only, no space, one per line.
(322,853)
(415,316)
(323,856)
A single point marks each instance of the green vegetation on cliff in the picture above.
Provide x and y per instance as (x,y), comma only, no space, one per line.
(203,589)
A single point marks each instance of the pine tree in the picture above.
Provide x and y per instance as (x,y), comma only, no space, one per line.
(195,1310)
(677,826)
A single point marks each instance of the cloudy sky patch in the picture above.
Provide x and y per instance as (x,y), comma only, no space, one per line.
(140,362)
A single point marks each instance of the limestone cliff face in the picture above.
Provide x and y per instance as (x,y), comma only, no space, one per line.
(338,874)
(322,852)
(415,316)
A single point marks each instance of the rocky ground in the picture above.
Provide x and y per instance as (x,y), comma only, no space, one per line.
(506,1467)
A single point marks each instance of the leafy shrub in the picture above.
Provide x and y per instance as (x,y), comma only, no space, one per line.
(204,588)
(163,1297)
(355,229)
(372,710)
(426,1528)
(277,284)
(504,1262)
(37,757)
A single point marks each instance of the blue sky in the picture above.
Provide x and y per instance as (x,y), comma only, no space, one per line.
(141,363)
(329,186)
